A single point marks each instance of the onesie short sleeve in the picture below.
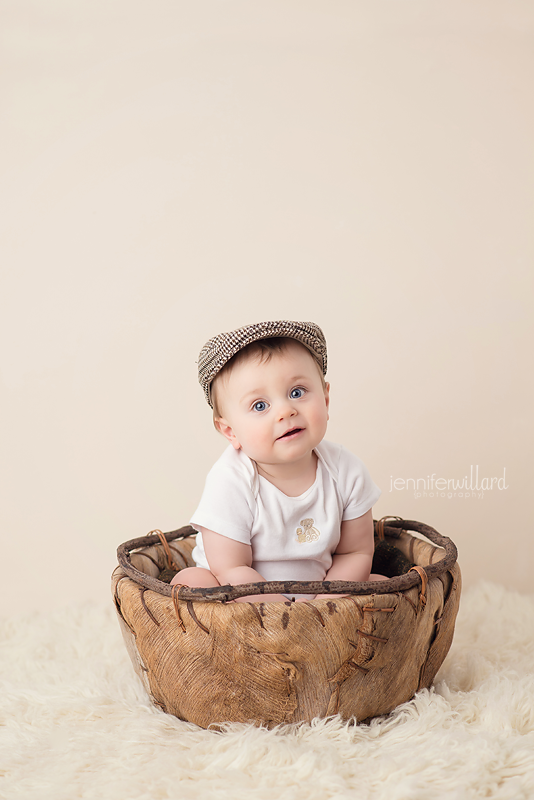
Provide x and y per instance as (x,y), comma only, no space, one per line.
(358,491)
(227,504)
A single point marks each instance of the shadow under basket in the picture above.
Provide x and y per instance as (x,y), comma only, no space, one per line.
(209,661)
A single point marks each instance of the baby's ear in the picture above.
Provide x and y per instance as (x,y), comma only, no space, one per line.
(327,395)
(227,431)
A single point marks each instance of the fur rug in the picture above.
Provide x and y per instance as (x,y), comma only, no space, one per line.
(76,723)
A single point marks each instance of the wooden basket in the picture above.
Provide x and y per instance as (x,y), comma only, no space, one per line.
(210,661)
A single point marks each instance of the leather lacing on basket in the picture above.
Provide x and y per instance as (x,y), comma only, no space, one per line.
(380,527)
(420,570)
(424,581)
(175,588)
(171,563)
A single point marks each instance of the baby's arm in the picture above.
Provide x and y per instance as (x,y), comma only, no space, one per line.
(231,562)
(354,554)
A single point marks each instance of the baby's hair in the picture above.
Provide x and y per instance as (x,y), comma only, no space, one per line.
(264,349)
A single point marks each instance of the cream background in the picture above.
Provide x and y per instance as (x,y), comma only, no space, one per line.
(170,170)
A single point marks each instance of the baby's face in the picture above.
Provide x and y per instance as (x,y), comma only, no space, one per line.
(276,411)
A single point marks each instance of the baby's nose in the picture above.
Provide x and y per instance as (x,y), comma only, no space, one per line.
(286,409)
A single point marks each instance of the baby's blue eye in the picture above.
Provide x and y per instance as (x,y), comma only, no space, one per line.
(296,393)
(261,405)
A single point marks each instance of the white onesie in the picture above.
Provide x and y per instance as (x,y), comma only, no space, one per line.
(292,538)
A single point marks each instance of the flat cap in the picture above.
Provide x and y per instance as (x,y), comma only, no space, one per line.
(221,348)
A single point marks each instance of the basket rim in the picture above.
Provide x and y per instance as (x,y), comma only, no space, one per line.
(390,526)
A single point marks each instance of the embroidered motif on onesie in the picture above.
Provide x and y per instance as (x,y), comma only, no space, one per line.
(307,533)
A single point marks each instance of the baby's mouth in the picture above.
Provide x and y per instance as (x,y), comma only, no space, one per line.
(292,432)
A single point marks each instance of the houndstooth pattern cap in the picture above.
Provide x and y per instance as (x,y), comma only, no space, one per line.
(221,348)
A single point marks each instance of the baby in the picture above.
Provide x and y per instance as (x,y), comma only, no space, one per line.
(281,503)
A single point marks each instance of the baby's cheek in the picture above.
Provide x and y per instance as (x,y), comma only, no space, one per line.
(320,418)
